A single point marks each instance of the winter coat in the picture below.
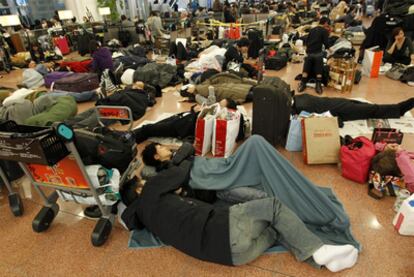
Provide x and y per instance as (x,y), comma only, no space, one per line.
(156,74)
(227,85)
(102,59)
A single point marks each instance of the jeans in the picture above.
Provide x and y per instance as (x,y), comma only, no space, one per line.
(240,195)
(256,225)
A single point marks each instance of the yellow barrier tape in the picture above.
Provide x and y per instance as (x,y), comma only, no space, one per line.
(216,23)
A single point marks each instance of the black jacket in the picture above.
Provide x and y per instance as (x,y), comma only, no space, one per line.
(196,228)
(232,55)
(317,37)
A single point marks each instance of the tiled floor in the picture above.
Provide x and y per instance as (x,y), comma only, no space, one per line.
(65,249)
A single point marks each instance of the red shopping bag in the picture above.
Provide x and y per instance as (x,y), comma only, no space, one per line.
(225,133)
(356,159)
(62,43)
(204,129)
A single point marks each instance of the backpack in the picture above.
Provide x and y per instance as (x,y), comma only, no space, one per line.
(276,62)
(408,75)
(111,149)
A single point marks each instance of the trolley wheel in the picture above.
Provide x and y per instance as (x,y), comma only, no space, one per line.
(44,218)
(101,232)
(16,204)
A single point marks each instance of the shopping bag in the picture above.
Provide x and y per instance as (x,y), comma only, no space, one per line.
(294,138)
(204,129)
(225,132)
(372,62)
(320,140)
(387,135)
(356,159)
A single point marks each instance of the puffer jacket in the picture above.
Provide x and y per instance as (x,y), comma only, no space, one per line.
(227,85)
(156,74)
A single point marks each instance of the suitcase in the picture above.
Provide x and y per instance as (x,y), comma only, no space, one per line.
(62,44)
(256,42)
(276,62)
(78,82)
(54,76)
(272,102)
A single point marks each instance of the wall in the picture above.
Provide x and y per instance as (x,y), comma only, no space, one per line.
(78,8)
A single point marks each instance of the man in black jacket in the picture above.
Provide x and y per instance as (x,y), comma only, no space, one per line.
(235,54)
(317,38)
(232,235)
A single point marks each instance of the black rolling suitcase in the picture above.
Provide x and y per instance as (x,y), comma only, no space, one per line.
(272,102)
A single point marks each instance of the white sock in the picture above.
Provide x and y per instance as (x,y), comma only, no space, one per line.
(327,253)
(344,263)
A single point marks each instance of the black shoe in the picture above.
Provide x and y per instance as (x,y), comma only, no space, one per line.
(139,135)
(301,87)
(318,88)
(92,211)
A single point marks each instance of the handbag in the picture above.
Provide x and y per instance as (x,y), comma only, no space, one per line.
(396,71)
(387,135)
(356,159)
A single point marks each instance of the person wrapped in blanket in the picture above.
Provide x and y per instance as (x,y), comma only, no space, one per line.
(308,220)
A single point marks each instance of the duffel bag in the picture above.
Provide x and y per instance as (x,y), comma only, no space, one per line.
(52,77)
(78,82)
(276,62)
(111,149)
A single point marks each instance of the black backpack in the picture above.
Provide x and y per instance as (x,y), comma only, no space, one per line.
(106,147)
(276,62)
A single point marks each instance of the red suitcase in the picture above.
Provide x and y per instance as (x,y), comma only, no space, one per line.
(62,44)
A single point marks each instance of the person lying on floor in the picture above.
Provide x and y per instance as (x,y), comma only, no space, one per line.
(227,85)
(234,235)
(33,77)
(181,125)
(257,164)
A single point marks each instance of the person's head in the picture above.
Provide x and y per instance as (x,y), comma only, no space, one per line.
(37,22)
(243,45)
(123,17)
(35,47)
(73,19)
(32,64)
(149,53)
(228,103)
(154,154)
(324,21)
(153,13)
(398,33)
(94,45)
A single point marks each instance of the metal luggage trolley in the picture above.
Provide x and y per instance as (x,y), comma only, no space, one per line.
(15,202)
(49,158)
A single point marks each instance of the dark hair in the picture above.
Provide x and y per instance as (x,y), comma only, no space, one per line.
(396,31)
(231,104)
(128,191)
(93,46)
(324,20)
(243,42)
(123,17)
(153,13)
(148,155)
(149,49)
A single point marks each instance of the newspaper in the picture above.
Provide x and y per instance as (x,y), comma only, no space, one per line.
(365,127)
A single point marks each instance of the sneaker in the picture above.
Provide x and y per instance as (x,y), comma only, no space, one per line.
(318,88)
(301,87)
(92,211)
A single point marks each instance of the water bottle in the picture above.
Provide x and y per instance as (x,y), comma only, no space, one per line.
(211,99)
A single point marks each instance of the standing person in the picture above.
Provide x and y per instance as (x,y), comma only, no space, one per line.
(217,6)
(127,30)
(317,38)
(155,6)
(400,50)
(101,57)
(165,8)
(154,24)
(228,16)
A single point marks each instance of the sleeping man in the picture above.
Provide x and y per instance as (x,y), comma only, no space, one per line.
(306,219)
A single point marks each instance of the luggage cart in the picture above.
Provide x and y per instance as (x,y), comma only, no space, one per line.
(15,202)
(49,157)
